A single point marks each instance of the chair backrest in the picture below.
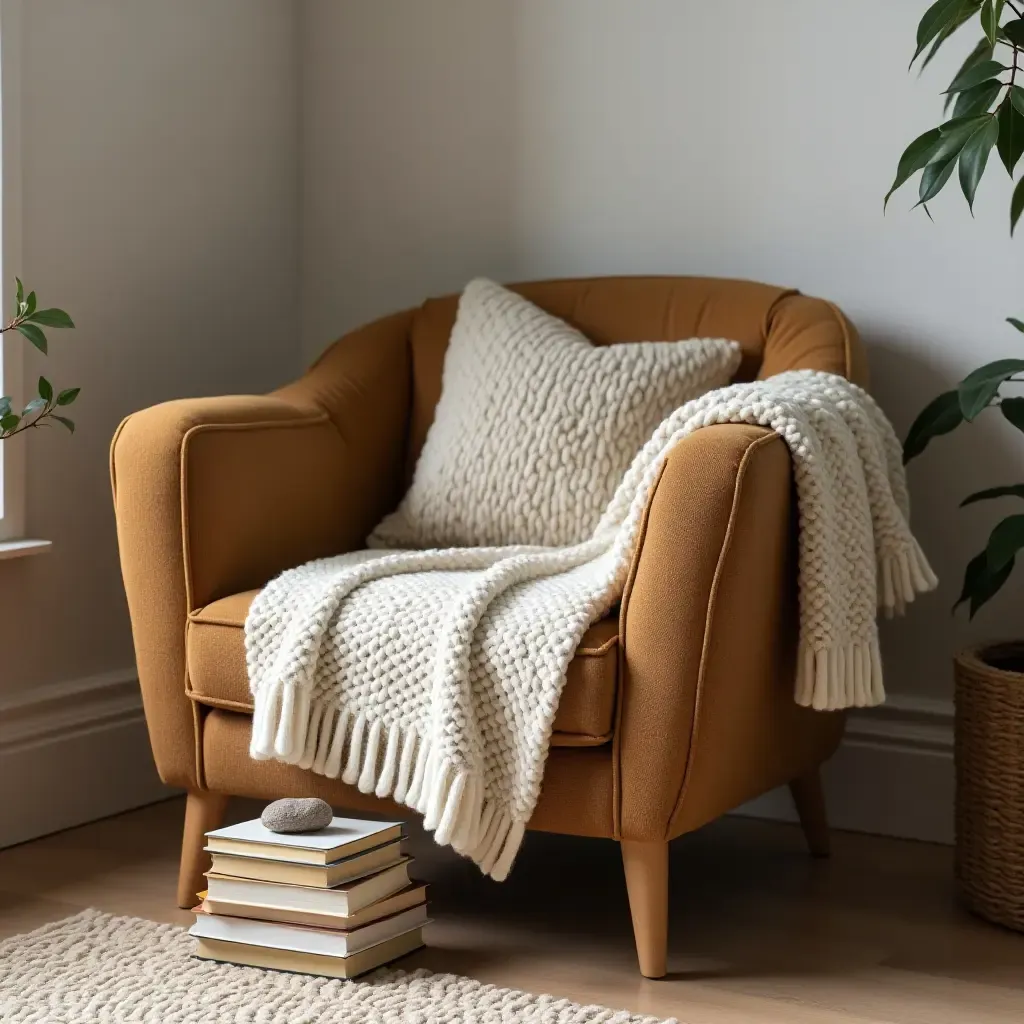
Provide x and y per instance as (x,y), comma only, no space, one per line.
(779,328)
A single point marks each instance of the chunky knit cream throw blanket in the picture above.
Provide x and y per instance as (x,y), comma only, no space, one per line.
(433,676)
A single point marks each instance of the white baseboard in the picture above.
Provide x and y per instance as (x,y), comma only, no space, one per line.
(73,752)
(893,774)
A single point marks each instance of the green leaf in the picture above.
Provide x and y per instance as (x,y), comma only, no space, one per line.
(977,100)
(933,180)
(1013,410)
(991,585)
(983,51)
(52,318)
(36,403)
(991,13)
(1004,542)
(999,369)
(1016,205)
(955,134)
(1019,324)
(21,291)
(1016,95)
(988,23)
(939,417)
(45,389)
(976,74)
(939,18)
(67,396)
(936,153)
(968,12)
(915,157)
(980,583)
(34,335)
(9,422)
(974,158)
(70,424)
(1011,135)
(5,406)
(1014,31)
(978,388)
(30,304)
(1010,491)
(957,129)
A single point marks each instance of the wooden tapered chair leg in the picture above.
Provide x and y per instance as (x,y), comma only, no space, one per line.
(203,811)
(809,797)
(646,866)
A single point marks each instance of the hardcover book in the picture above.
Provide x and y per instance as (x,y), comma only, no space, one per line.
(309,963)
(282,908)
(321,875)
(344,837)
(306,939)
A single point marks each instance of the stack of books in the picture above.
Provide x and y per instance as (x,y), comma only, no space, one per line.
(335,902)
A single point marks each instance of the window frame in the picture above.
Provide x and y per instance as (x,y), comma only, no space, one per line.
(12,363)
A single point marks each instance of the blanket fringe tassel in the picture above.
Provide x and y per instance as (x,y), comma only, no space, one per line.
(850,675)
(388,761)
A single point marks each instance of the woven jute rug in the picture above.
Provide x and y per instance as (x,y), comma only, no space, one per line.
(95,967)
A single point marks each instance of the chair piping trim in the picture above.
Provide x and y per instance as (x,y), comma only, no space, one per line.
(716,580)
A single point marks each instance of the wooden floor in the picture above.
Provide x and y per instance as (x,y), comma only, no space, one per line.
(760,931)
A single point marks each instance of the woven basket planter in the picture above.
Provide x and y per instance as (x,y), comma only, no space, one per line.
(990,782)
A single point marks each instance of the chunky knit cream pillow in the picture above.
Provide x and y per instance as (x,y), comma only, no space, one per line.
(536,426)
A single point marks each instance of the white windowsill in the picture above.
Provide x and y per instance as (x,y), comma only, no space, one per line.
(21,548)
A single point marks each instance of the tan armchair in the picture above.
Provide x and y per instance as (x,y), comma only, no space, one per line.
(677,708)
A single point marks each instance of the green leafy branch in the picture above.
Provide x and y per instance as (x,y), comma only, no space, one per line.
(987,104)
(987,112)
(980,390)
(29,321)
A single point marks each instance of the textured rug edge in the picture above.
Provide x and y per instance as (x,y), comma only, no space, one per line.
(406,989)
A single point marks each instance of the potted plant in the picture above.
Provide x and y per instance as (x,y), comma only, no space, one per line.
(29,321)
(984,111)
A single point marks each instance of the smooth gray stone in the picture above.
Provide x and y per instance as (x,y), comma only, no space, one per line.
(297,814)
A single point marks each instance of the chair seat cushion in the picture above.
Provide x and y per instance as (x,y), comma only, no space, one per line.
(215,648)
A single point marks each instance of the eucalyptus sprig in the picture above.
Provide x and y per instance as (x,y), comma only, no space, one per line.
(29,321)
(987,100)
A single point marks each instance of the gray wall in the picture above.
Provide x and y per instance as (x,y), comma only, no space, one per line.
(159,160)
(535,138)
(159,208)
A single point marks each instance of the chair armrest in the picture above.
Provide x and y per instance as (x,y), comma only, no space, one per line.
(707,717)
(213,496)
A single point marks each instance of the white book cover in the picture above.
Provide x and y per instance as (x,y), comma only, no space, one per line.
(305,939)
(340,832)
